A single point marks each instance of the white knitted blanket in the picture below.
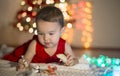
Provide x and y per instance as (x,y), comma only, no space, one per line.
(8,68)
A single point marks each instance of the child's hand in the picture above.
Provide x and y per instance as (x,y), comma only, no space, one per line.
(70,60)
(20,66)
(67,59)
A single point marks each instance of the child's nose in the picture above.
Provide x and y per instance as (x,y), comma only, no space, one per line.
(46,37)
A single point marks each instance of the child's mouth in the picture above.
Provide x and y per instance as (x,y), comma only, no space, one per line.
(47,43)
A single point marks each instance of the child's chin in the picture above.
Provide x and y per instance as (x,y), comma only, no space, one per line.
(49,46)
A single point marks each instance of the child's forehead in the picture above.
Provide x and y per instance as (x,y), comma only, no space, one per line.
(47,29)
(46,24)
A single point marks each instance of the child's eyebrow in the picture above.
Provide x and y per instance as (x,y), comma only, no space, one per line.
(41,31)
(51,31)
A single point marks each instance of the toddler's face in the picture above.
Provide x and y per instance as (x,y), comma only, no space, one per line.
(49,33)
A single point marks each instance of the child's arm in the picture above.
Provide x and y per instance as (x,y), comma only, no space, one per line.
(30,51)
(28,56)
(71,59)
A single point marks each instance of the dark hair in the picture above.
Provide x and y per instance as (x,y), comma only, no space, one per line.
(50,14)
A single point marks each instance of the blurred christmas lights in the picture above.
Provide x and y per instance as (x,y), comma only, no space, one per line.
(82,12)
(102,61)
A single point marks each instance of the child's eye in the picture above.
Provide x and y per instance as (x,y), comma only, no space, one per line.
(51,33)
